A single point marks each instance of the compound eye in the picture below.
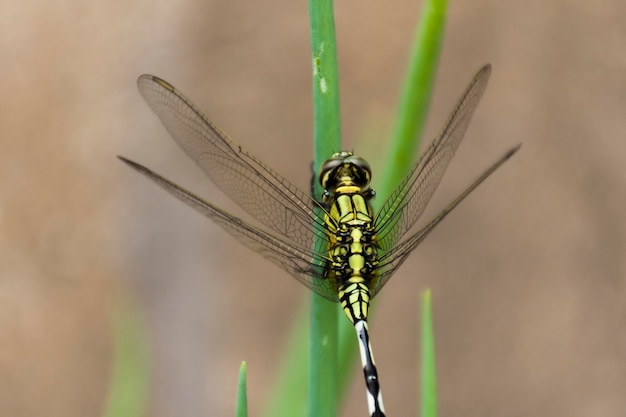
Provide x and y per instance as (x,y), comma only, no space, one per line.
(327,169)
(363,171)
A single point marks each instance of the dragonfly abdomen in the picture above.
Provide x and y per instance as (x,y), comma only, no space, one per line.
(354,254)
(354,262)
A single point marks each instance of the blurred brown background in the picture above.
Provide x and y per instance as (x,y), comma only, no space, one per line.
(527,274)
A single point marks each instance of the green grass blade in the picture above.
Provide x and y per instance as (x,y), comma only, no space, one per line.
(326,117)
(415,96)
(128,392)
(429,371)
(242,395)
(327,137)
(323,360)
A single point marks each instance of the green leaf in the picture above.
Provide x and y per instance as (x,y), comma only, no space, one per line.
(242,396)
(429,369)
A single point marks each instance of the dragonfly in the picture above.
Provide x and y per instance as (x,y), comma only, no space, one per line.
(336,246)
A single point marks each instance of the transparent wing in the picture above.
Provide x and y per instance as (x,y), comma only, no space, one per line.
(408,201)
(304,264)
(390,261)
(267,196)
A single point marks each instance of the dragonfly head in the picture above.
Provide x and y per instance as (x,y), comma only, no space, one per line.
(345,169)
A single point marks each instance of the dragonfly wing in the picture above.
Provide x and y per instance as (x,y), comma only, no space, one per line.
(302,263)
(408,201)
(267,196)
(391,260)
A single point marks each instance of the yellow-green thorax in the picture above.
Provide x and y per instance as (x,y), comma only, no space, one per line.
(352,245)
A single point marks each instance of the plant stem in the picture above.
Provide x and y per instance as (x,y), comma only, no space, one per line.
(327,137)
(429,369)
